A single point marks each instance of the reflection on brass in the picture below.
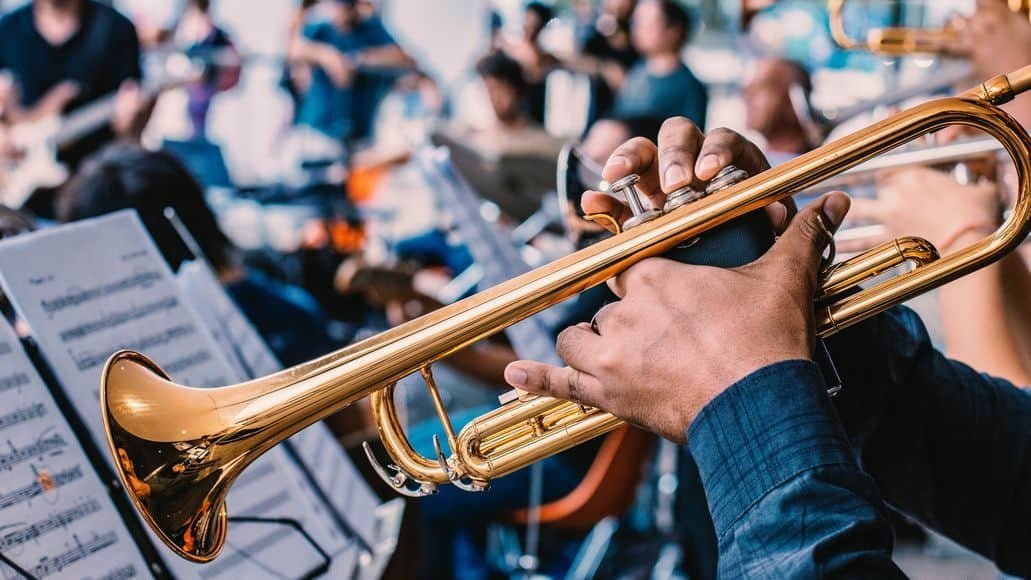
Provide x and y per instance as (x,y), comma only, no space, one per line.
(901,41)
(179,449)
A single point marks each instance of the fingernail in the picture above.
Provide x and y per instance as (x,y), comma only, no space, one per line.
(674,177)
(708,166)
(515,376)
(834,209)
(618,163)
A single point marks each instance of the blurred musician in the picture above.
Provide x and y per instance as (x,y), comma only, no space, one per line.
(536,62)
(62,55)
(338,50)
(771,109)
(945,444)
(661,85)
(205,41)
(986,315)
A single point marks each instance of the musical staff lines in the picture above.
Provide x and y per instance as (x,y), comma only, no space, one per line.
(59,520)
(116,319)
(121,573)
(13,381)
(144,279)
(42,484)
(22,415)
(43,446)
(48,566)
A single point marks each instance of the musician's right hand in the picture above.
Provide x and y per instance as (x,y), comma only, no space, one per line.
(683,155)
(339,67)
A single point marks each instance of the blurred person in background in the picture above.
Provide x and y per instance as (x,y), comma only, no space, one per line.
(607,54)
(536,62)
(125,176)
(771,109)
(661,85)
(206,42)
(986,316)
(296,78)
(64,54)
(337,51)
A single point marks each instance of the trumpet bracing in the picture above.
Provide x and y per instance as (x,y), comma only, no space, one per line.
(179,449)
(902,41)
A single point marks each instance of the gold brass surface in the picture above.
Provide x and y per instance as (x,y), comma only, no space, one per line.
(179,449)
(901,41)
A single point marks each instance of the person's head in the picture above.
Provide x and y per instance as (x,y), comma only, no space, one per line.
(660,27)
(535,18)
(769,109)
(621,10)
(202,6)
(126,176)
(505,83)
(346,13)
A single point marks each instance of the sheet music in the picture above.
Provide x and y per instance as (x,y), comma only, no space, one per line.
(91,288)
(56,518)
(316,446)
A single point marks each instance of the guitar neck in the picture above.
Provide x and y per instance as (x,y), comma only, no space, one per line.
(92,117)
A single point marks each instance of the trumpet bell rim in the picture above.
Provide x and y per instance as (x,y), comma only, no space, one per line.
(200,539)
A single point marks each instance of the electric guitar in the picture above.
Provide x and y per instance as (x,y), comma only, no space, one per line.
(38,142)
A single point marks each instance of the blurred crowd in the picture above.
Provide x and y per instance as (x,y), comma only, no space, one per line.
(375,247)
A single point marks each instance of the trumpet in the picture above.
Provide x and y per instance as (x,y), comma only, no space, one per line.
(902,41)
(179,449)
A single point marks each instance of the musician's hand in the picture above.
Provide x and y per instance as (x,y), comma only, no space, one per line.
(682,334)
(51,104)
(339,67)
(930,204)
(129,105)
(683,156)
(995,39)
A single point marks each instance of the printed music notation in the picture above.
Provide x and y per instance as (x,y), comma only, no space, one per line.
(89,289)
(49,493)
(34,411)
(56,521)
(44,446)
(50,565)
(41,483)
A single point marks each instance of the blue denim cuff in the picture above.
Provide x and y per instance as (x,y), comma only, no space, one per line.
(764,430)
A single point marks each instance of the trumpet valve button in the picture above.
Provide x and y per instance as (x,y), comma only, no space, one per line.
(628,187)
(683,196)
(727,177)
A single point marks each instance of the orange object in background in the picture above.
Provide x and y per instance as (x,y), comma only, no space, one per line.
(363,182)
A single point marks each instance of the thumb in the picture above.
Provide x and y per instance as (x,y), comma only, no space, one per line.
(809,233)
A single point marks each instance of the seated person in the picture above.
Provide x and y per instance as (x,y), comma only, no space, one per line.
(337,50)
(126,176)
(536,62)
(660,84)
(772,109)
(779,459)
(511,162)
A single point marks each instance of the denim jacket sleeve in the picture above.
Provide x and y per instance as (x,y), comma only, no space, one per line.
(945,444)
(787,497)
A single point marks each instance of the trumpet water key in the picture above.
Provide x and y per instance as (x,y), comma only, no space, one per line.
(179,449)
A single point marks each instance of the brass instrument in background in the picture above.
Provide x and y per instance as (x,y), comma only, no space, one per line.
(902,41)
(179,449)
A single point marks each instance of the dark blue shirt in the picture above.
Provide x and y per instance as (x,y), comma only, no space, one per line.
(797,485)
(326,107)
(678,93)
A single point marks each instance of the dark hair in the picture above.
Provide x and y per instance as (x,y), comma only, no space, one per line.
(542,10)
(800,74)
(676,16)
(500,66)
(202,5)
(125,176)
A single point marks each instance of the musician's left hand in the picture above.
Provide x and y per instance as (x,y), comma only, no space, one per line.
(683,155)
(130,111)
(682,334)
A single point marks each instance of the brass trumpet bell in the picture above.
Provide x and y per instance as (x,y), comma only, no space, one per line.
(179,449)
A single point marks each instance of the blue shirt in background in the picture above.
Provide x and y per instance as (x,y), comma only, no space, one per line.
(340,111)
(678,93)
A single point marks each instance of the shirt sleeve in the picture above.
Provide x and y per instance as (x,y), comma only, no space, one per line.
(127,65)
(947,445)
(786,495)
